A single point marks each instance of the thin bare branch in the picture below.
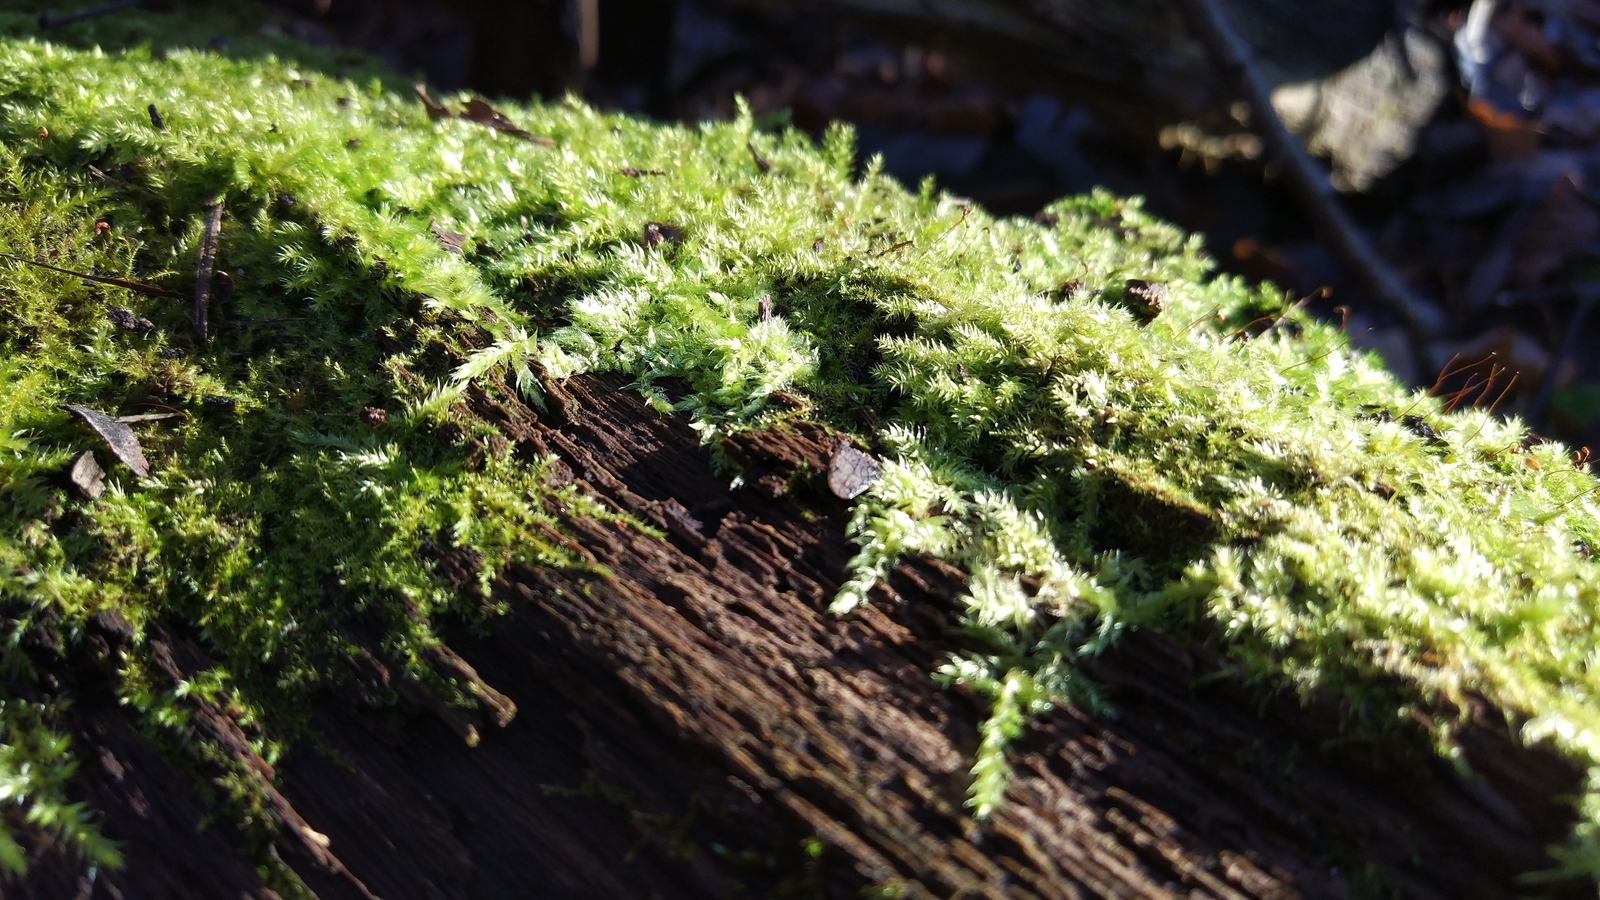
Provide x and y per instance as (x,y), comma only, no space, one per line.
(1212,26)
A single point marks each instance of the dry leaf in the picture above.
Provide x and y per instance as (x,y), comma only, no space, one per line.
(761,161)
(450,240)
(119,437)
(1509,135)
(480,111)
(851,472)
(435,111)
(87,476)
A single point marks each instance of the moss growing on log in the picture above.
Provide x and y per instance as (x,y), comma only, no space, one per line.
(1213,463)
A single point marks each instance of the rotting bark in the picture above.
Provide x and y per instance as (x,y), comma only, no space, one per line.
(696,695)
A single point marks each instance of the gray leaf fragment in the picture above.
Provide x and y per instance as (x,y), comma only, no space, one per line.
(87,476)
(851,472)
(119,437)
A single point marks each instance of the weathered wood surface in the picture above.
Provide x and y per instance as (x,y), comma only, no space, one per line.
(693,694)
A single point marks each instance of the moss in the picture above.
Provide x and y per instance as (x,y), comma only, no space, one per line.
(1091,469)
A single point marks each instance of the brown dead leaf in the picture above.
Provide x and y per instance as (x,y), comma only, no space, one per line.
(761,161)
(119,437)
(478,110)
(1508,134)
(450,240)
(435,111)
(1147,299)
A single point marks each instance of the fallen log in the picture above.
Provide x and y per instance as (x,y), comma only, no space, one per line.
(697,696)
(520,563)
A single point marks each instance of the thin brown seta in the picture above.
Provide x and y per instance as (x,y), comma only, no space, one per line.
(1332,350)
(1503,392)
(1321,292)
(1473,385)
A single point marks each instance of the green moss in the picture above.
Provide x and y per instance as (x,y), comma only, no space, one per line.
(1089,470)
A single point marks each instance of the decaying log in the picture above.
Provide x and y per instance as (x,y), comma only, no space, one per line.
(690,719)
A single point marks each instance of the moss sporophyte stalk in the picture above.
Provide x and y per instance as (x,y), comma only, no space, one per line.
(1223,464)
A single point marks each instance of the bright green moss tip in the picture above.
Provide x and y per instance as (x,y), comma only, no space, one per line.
(1202,471)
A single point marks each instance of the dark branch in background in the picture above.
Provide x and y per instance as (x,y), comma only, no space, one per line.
(204,269)
(1588,294)
(46,20)
(1212,27)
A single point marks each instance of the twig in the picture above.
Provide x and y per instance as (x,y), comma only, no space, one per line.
(1308,183)
(888,250)
(46,20)
(761,161)
(588,34)
(256,323)
(1325,355)
(149,289)
(205,267)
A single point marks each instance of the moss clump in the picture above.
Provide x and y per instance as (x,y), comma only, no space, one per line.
(1090,469)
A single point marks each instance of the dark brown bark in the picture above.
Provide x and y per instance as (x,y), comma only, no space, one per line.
(688,712)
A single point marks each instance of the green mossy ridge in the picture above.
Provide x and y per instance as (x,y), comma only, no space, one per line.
(1090,472)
